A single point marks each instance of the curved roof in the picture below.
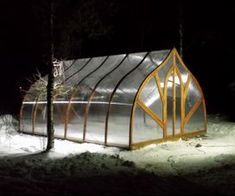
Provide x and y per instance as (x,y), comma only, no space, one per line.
(97,98)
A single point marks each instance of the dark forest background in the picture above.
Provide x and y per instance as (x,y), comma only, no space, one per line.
(85,28)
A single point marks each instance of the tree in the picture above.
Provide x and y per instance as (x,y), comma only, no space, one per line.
(50,86)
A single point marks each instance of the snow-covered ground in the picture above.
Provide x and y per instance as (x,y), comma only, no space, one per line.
(200,165)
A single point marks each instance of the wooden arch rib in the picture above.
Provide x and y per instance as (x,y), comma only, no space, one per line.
(153,74)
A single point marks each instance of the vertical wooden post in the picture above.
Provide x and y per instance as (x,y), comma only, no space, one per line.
(174,96)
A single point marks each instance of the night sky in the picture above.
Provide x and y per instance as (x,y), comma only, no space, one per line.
(86,28)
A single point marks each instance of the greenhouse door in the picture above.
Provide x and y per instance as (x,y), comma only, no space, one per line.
(173,104)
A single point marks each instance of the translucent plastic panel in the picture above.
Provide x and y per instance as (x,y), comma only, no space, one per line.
(125,93)
(68,64)
(163,71)
(41,117)
(177,106)
(119,125)
(89,85)
(151,97)
(145,128)
(170,106)
(197,121)
(26,120)
(60,107)
(75,123)
(183,71)
(103,92)
(123,98)
(73,69)
(158,56)
(92,65)
(193,95)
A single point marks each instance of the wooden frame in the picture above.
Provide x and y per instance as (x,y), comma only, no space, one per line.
(172,72)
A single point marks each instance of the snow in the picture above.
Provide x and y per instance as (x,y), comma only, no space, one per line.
(203,164)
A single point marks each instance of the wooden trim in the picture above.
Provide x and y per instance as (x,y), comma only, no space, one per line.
(132,122)
(150,112)
(168,74)
(205,116)
(187,86)
(181,61)
(169,138)
(174,103)
(197,84)
(193,109)
(152,74)
(163,100)
(182,102)
(157,79)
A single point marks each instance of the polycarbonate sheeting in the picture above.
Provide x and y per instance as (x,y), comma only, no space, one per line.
(163,69)
(192,97)
(41,117)
(158,56)
(145,128)
(150,96)
(60,107)
(177,106)
(91,66)
(89,86)
(183,71)
(124,96)
(103,92)
(73,69)
(26,118)
(119,125)
(75,124)
(197,121)
(67,64)
(169,106)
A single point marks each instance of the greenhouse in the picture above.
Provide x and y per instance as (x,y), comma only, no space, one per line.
(127,100)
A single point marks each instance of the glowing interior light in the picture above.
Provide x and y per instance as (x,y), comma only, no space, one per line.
(126,90)
(162,84)
(184,78)
(152,99)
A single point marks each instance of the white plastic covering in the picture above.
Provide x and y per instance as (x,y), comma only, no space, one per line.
(98,98)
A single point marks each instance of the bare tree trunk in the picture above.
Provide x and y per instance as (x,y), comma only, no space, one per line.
(50,87)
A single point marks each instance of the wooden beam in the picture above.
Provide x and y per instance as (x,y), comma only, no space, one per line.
(193,109)
(182,101)
(150,112)
(157,79)
(173,102)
